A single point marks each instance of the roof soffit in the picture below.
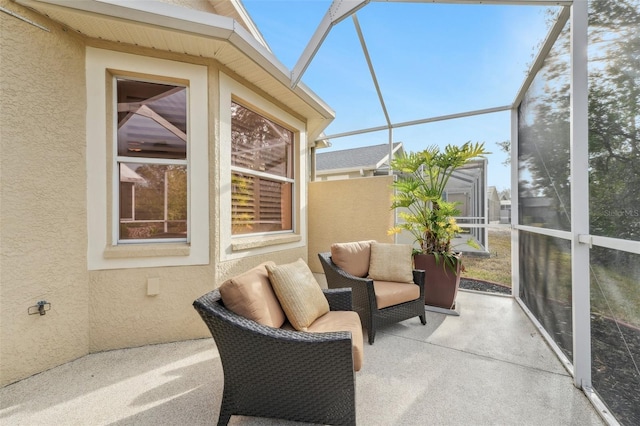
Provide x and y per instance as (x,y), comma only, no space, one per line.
(166,27)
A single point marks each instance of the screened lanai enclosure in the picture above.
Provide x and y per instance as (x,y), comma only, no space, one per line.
(575,179)
(467,187)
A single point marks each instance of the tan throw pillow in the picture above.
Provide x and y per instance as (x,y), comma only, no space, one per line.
(352,257)
(391,262)
(250,295)
(299,293)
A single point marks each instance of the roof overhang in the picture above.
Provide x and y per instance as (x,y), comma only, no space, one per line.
(236,10)
(166,27)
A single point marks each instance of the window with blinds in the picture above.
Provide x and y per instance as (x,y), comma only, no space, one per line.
(262,176)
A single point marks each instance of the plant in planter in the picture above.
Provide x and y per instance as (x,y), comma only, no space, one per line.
(419,191)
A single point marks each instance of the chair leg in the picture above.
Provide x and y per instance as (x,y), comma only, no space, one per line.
(225,411)
(423,319)
(372,335)
(223,420)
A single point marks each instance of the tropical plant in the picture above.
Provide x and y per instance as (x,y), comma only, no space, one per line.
(419,190)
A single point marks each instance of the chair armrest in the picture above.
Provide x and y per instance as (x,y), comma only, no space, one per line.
(363,292)
(339,299)
(339,278)
(419,279)
(211,310)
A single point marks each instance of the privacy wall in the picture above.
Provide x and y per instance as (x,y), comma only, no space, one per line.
(348,210)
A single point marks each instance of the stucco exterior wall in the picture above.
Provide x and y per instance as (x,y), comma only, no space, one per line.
(43,216)
(348,210)
(43,196)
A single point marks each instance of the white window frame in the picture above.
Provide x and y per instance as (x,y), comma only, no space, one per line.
(123,159)
(103,250)
(273,177)
(238,246)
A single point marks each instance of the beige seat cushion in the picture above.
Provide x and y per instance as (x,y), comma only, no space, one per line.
(352,257)
(343,321)
(394,293)
(250,295)
(391,262)
(299,293)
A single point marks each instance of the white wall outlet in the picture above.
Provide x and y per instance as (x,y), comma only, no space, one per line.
(153,286)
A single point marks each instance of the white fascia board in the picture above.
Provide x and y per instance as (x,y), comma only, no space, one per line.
(246,18)
(154,13)
(191,21)
(338,11)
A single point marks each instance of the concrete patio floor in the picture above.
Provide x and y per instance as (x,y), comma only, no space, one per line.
(488,366)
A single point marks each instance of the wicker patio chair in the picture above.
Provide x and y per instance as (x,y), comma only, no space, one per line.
(364,298)
(277,373)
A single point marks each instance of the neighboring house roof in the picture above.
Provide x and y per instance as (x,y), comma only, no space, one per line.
(364,158)
(235,43)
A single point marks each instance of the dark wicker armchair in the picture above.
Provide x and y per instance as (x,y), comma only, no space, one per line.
(276,373)
(364,298)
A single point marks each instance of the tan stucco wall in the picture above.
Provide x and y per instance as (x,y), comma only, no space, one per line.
(348,210)
(43,221)
(42,196)
(123,315)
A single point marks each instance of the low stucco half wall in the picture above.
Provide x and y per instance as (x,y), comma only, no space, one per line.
(348,210)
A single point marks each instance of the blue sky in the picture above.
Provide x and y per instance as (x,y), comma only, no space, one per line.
(430,60)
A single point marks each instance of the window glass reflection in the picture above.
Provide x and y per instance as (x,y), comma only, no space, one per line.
(153,201)
(151,120)
(262,180)
(152,154)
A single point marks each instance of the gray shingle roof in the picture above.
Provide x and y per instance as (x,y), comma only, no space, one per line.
(364,157)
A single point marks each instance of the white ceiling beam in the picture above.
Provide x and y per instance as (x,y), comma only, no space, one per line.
(372,71)
(547,45)
(421,121)
(341,9)
(338,11)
